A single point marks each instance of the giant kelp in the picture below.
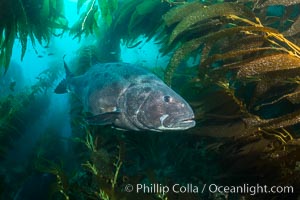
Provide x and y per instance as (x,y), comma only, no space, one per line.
(244,90)
(136,18)
(233,19)
(39,20)
(19,112)
(17,106)
(131,19)
(256,65)
(96,16)
(28,19)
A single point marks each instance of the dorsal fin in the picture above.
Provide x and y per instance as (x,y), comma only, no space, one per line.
(63,85)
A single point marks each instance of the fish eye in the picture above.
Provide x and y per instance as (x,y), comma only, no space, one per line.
(167,99)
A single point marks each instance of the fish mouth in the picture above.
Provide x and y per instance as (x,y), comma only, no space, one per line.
(180,125)
(186,123)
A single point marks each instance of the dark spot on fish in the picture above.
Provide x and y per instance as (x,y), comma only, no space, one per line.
(40,56)
(50,54)
(147,89)
(145,81)
(115,87)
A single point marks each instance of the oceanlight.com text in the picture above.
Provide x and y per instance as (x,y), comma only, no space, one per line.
(251,189)
(157,188)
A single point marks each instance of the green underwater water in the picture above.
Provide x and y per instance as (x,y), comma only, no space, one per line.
(235,62)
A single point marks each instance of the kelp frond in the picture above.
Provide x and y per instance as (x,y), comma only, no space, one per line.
(274,38)
(294,29)
(205,13)
(281,44)
(17,107)
(56,169)
(269,63)
(22,19)
(275,123)
(107,8)
(134,18)
(87,21)
(190,46)
(96,11)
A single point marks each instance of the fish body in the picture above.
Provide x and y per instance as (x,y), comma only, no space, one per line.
(128,97)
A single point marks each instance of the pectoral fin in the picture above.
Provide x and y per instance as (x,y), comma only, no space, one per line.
(103,119)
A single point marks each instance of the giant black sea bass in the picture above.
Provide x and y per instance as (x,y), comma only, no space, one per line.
(128,97)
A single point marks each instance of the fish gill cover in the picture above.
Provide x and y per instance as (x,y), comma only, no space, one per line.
(235,62)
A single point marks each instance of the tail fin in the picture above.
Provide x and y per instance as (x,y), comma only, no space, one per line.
(62,86)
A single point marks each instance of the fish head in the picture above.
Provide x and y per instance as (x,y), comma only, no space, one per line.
(159,108)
